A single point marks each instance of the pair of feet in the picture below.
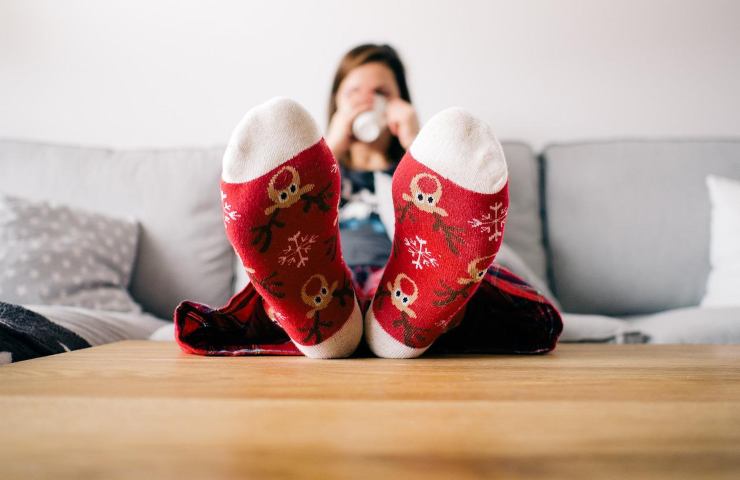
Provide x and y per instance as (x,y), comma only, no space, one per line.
(280,193)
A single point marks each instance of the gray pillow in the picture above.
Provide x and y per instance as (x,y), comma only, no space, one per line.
(56,255)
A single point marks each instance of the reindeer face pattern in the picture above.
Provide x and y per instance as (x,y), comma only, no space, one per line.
(476,270)
(400,298)
(319,299)
(423,200)
(289,195)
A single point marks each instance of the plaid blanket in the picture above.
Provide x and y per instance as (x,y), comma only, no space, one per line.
(505,315)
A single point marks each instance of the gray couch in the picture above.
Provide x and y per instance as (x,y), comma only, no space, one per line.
(626,230)
(617,230)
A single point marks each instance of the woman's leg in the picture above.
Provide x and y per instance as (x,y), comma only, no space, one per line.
(280,194)
(453,173)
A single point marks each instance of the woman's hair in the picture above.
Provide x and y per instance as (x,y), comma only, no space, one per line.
(372,53)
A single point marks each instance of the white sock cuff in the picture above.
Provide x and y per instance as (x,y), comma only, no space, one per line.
(383,344)
(266,137)
(463,149)
(342,343)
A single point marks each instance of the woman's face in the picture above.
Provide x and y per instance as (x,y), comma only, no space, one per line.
(362,82)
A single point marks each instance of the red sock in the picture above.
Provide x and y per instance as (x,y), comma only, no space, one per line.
(450,192)
(280,194)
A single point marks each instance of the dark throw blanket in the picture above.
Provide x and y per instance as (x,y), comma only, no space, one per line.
(26,334)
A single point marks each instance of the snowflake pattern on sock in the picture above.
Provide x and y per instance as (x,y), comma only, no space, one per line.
(492,223)
(230,214)
(297,251)
(422,256)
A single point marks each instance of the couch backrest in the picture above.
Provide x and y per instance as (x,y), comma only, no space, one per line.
(627,222)
(523,231)
(183,252)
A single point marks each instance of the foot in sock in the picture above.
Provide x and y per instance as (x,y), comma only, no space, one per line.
(280,194)
(450,194)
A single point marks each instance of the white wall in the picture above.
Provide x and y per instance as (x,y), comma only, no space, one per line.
(135,73)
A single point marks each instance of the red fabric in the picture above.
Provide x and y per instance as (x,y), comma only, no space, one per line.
(240,328)
(504,315)
(283,225)
(441,251)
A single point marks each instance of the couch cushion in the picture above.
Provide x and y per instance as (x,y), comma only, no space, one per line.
(600,329)
(627,222)
(99,327)
(523,231)
(174,194)
(51,254)
(691,325)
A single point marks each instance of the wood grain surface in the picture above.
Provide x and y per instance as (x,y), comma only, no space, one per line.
(147,410)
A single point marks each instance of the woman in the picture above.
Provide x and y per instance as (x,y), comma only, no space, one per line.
(366,214)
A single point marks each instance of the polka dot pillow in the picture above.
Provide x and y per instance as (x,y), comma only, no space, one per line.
(56,255)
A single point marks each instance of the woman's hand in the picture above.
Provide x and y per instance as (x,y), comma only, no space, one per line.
(402,121)
(339,135)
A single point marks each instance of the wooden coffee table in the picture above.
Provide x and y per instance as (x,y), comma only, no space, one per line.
(146,410)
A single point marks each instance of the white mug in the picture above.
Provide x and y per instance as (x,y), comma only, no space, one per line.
(368,125)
